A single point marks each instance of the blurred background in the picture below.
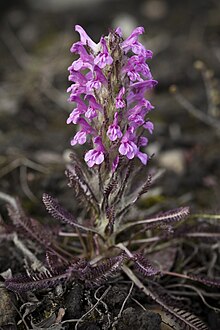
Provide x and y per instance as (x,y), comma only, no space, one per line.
(35,39)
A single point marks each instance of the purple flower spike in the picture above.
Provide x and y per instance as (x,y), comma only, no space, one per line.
(110,81)
(103,58)
(114,131)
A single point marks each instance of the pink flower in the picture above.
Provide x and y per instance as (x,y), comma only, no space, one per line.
(149,126)
(95,156)
(79,138)
(84,61)
(114,131)
(136,120)
(97,81)
(143,86)
(127,147)
(103,58)
(132,40)
(137,69)
(142,156)
(91,111)
(142,141)
(85,39)
(132,43)
(138,89)
(78,111)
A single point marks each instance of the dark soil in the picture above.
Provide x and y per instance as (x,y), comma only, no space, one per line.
(34,143)
(131,317)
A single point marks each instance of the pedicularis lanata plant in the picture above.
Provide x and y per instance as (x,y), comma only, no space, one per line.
(109,84)
(110,80)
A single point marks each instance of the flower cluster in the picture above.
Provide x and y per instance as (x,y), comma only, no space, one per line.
(109,83)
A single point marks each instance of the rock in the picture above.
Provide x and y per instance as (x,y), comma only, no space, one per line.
(172,160)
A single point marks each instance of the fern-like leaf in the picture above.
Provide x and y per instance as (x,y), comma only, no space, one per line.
(204,280)
(22,283)
(145,187)
(168,217)
(54,263)
(110,188)
(28,226)
(110,213)
(99,274)
(143,266)
(59,213)
(127,168)
(133,200)
(164,218)
(81,188)
(186,319)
